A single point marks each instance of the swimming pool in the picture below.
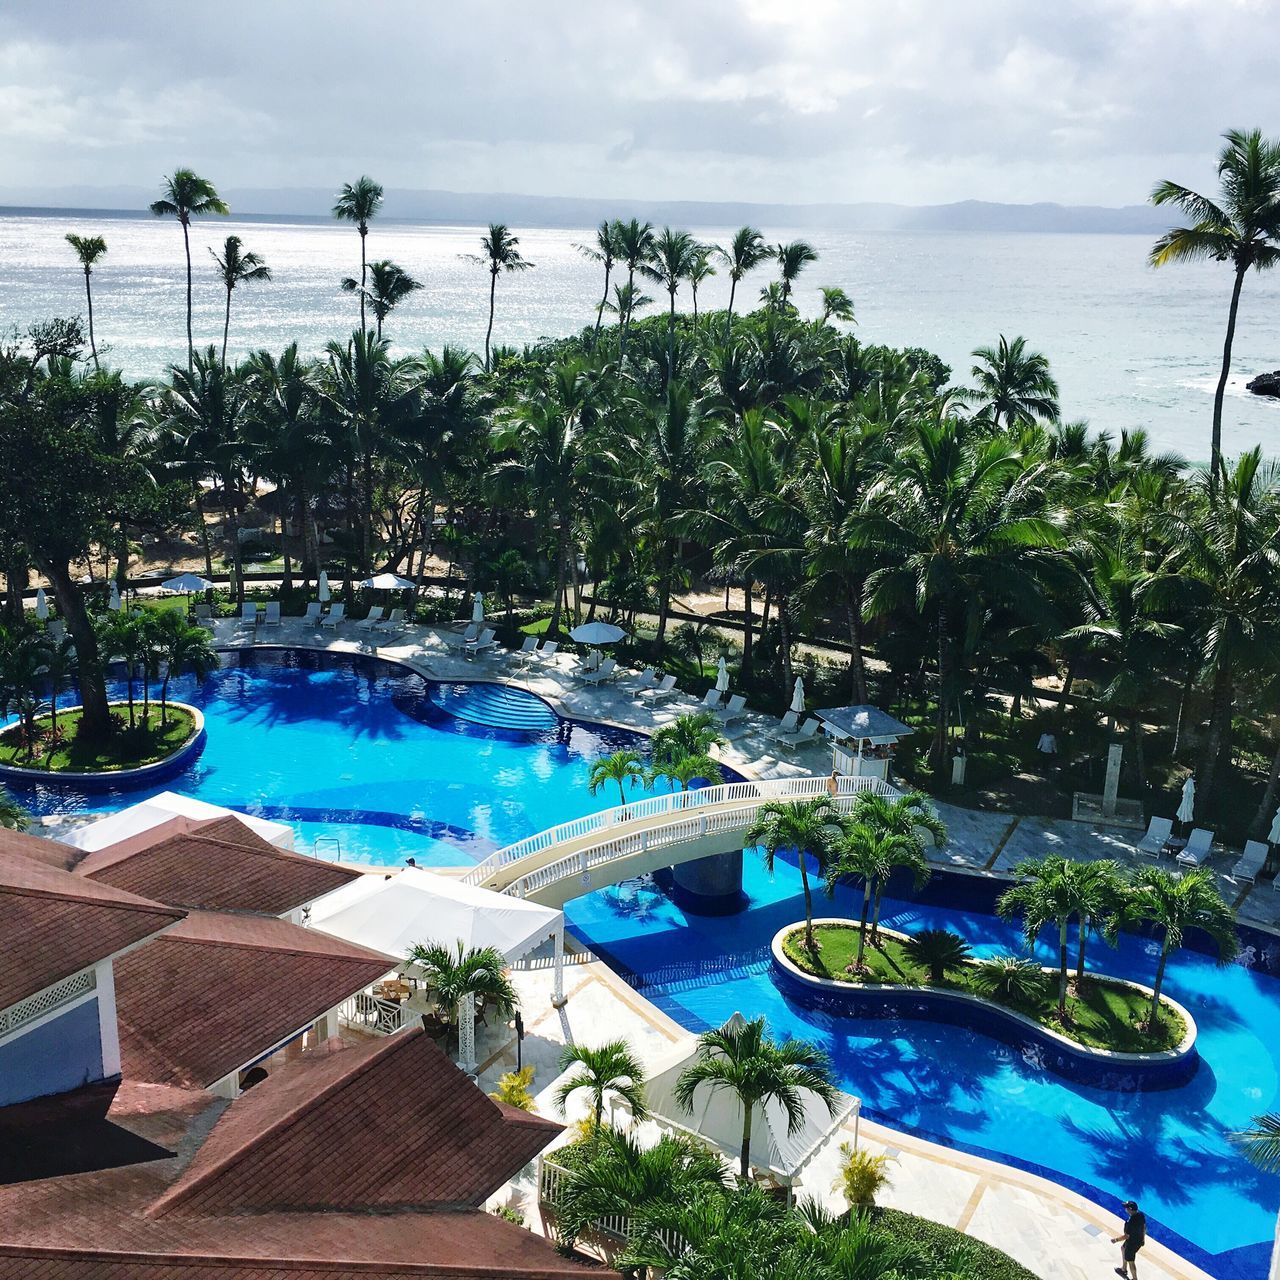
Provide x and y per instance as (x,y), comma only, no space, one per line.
(366,759)
(1166,1147)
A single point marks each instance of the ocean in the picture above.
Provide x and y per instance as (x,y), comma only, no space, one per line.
(1129,345)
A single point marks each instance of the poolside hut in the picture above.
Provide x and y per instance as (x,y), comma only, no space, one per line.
(862,738)
(126,823)
(392,913)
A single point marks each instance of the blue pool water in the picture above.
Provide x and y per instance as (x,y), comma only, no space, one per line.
(367,759)
(1165,1147)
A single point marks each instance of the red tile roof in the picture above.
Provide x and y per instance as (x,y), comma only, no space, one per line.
(53,923)
(391,1123)
(214,864)
(220,990)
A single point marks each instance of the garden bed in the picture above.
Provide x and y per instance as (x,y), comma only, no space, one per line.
(147,743)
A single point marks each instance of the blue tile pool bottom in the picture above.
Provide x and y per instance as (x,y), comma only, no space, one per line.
(1166,1146)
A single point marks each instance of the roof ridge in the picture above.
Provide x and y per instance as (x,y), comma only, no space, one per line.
(365,953)
(137,903)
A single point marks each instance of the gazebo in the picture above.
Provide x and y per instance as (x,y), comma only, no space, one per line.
(863,738)
(392,913)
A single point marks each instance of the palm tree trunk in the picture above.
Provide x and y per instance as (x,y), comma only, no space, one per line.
(364,231)
(784,642)
(595,341)
(553,627)
(939,750)
(191,346)
(204,531)
(1065,696)
(95,719)
(1062,965)
(164,695)
(488,333)
(1221,705)
(744,1163)
(1215,444)
(624,322)
(875,911)
(671,338)
(1158,984)
(1084,934)
(226,329)
(857,667)
(1262,819)
(664,592)
(88,294)
(748,632)
(808,904)
(728,316)
(862,924)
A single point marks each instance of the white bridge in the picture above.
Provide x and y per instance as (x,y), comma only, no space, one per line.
(601,849)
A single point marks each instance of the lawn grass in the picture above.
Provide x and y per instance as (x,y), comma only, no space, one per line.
(1100,1015)
(148,742)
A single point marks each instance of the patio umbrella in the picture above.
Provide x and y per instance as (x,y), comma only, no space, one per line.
(1274,834)
(387,582)
(42,605)
(477,607)
(797,697)
(1187,808)
(113,601)
(322,588)
(186,583)
(722,676)
(595,633)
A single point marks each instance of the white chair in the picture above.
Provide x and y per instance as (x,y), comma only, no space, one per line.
(792,741)
(528,647)
(662,692)
(204,615)
(711,699)
(394,622)
(58,629)
(734,709)
(1252,860)
(249,612)
(787,724)
(371,619)
(313,612)
(1158,832)
(1199,842)
(271,615)
(337,613)
(548,649)
(647,679)
(602,673)
(484,641)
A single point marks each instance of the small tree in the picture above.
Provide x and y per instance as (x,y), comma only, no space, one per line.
(13,817)
(862,1175)
(514,1089)
(610,1068)
(939,951)
(454,973)
(181,647)
(622,767)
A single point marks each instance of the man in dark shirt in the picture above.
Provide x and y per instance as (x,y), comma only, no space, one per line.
(1134,1237)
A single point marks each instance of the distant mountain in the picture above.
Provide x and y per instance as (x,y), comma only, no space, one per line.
(572,211)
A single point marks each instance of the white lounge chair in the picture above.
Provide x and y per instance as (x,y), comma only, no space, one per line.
(1252,860)
(1199,842)
(313,612)
(602,673)
(371,619)
(393,622)
(528,647)
(58,629)
(1158,832)
(249,612)
(664,690)
(548,649)
(483,642)
(647,679)
(805,733)
(787,724)
(337,613)
(271,615)
(711,699)
(734,709)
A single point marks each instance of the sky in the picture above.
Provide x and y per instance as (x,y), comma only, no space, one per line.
(798,101)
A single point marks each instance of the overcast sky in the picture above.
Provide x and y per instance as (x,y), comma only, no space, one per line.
(916,101)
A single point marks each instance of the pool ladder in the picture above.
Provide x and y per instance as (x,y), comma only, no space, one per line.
(325,842)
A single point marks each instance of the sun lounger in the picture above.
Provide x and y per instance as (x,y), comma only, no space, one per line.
(482,643)
(271,616)
(711,699)
(313,612)
(249,612)
(602,673)
(371,619)
(787,724)
(1252,860)
(806,733)
(530,644)
(1199,842)
(1158,832)
(664,690)
(393,622)
(548,649)
(337,613)
(647,679)
(734,709)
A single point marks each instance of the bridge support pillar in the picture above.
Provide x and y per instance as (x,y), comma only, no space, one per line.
(709,886)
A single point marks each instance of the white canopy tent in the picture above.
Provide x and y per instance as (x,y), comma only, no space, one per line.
(717,1117)
(392,913)
(387,582)
(137,818)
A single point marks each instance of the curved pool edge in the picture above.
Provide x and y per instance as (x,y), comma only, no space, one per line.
(109,779)
(1068,1058)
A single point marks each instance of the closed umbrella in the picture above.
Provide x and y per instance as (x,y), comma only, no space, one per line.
(595,633)
(797,697)
(1187,807)
(477,607)
(386,582)
(1274,834)
(113,601)
(42,605)
(322,587)
(722,676)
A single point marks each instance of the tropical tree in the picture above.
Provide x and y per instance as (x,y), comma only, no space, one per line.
(792,259)
(181,647)
(457,974)
(635,245)
(236,266)
(389,285)
(499,252)
(695,733)
(740,1059)
(603,250)
(186,195)
(1173,904)
(910,817)
(358,203)
(620,767)
(88,249)
(865,854)
(700,271)
(812,829)
(1013,386)
(863,1174)
(746,251)
(23,669)
(670,261)
(940,951)
(1260,1142)
(627,300)
(13,817)
(60,662)
(1240,225)
(608,1069)
(836,305)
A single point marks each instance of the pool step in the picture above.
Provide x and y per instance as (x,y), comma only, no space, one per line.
(495,706)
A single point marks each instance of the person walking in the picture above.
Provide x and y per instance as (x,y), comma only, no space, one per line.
(1131,1240)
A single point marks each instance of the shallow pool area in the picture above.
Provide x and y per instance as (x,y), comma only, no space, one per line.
(1167,1147)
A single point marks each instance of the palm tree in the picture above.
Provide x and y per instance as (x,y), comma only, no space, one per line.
(813,828)
(186,196)
(1261,1141)
(868,854)
(605,251)
(1013,385)
(792,260)
(60,663)
(700,270)
(391,286)
(610,1068)
(627,300)
(458,974)
(181,647)
(1174,904)
(740,1058)
(836,305)
(746,251)
(695,733)
(939,951)
(621,767)
(1241,226)
(237,267)
(23,669)
(635,245)
(910,817)
(671,259)
(499,251)
(88,249)
(13,817)
(358,202)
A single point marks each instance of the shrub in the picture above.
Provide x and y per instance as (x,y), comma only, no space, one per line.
(938,951)
(514,1089)
(862,1175)
(1011,978)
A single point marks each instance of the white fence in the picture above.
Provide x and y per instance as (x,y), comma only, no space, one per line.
(615,1228)
(368,1013)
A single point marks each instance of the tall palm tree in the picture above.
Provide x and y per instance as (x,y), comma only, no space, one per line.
(604,250)
(671,259)
(237,267)
(627,300)
(610,1068)
(700,271)
(1013,386)
(836,305)
(865,854)
(812,828)
(910,817)
(88,250)
(1241,225)
(499,252)
(456,974)
(358,202)
(60,661)
(181,647)
(746,251)
(695,733)
(742,1060)
(390,285)
(1175,903)
(187,195)
(620,767)
(635,245)
(792,260)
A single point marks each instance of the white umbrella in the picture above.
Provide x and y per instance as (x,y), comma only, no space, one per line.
(477,607)
(722,677)
(42,605)
(185,583)
(386,582)
(322,588)
(113,602)
(797,697)
(1274,834)
(1187,809)
(594,633)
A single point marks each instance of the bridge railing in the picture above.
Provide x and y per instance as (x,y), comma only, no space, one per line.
(676,802)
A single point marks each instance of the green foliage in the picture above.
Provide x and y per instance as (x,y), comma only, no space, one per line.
(515,1090)
(1017,979)
(939,951)
(863,1175)
(605,1071)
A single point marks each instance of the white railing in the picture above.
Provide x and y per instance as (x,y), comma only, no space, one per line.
(369,1013)
(676,802)
(616,1228)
